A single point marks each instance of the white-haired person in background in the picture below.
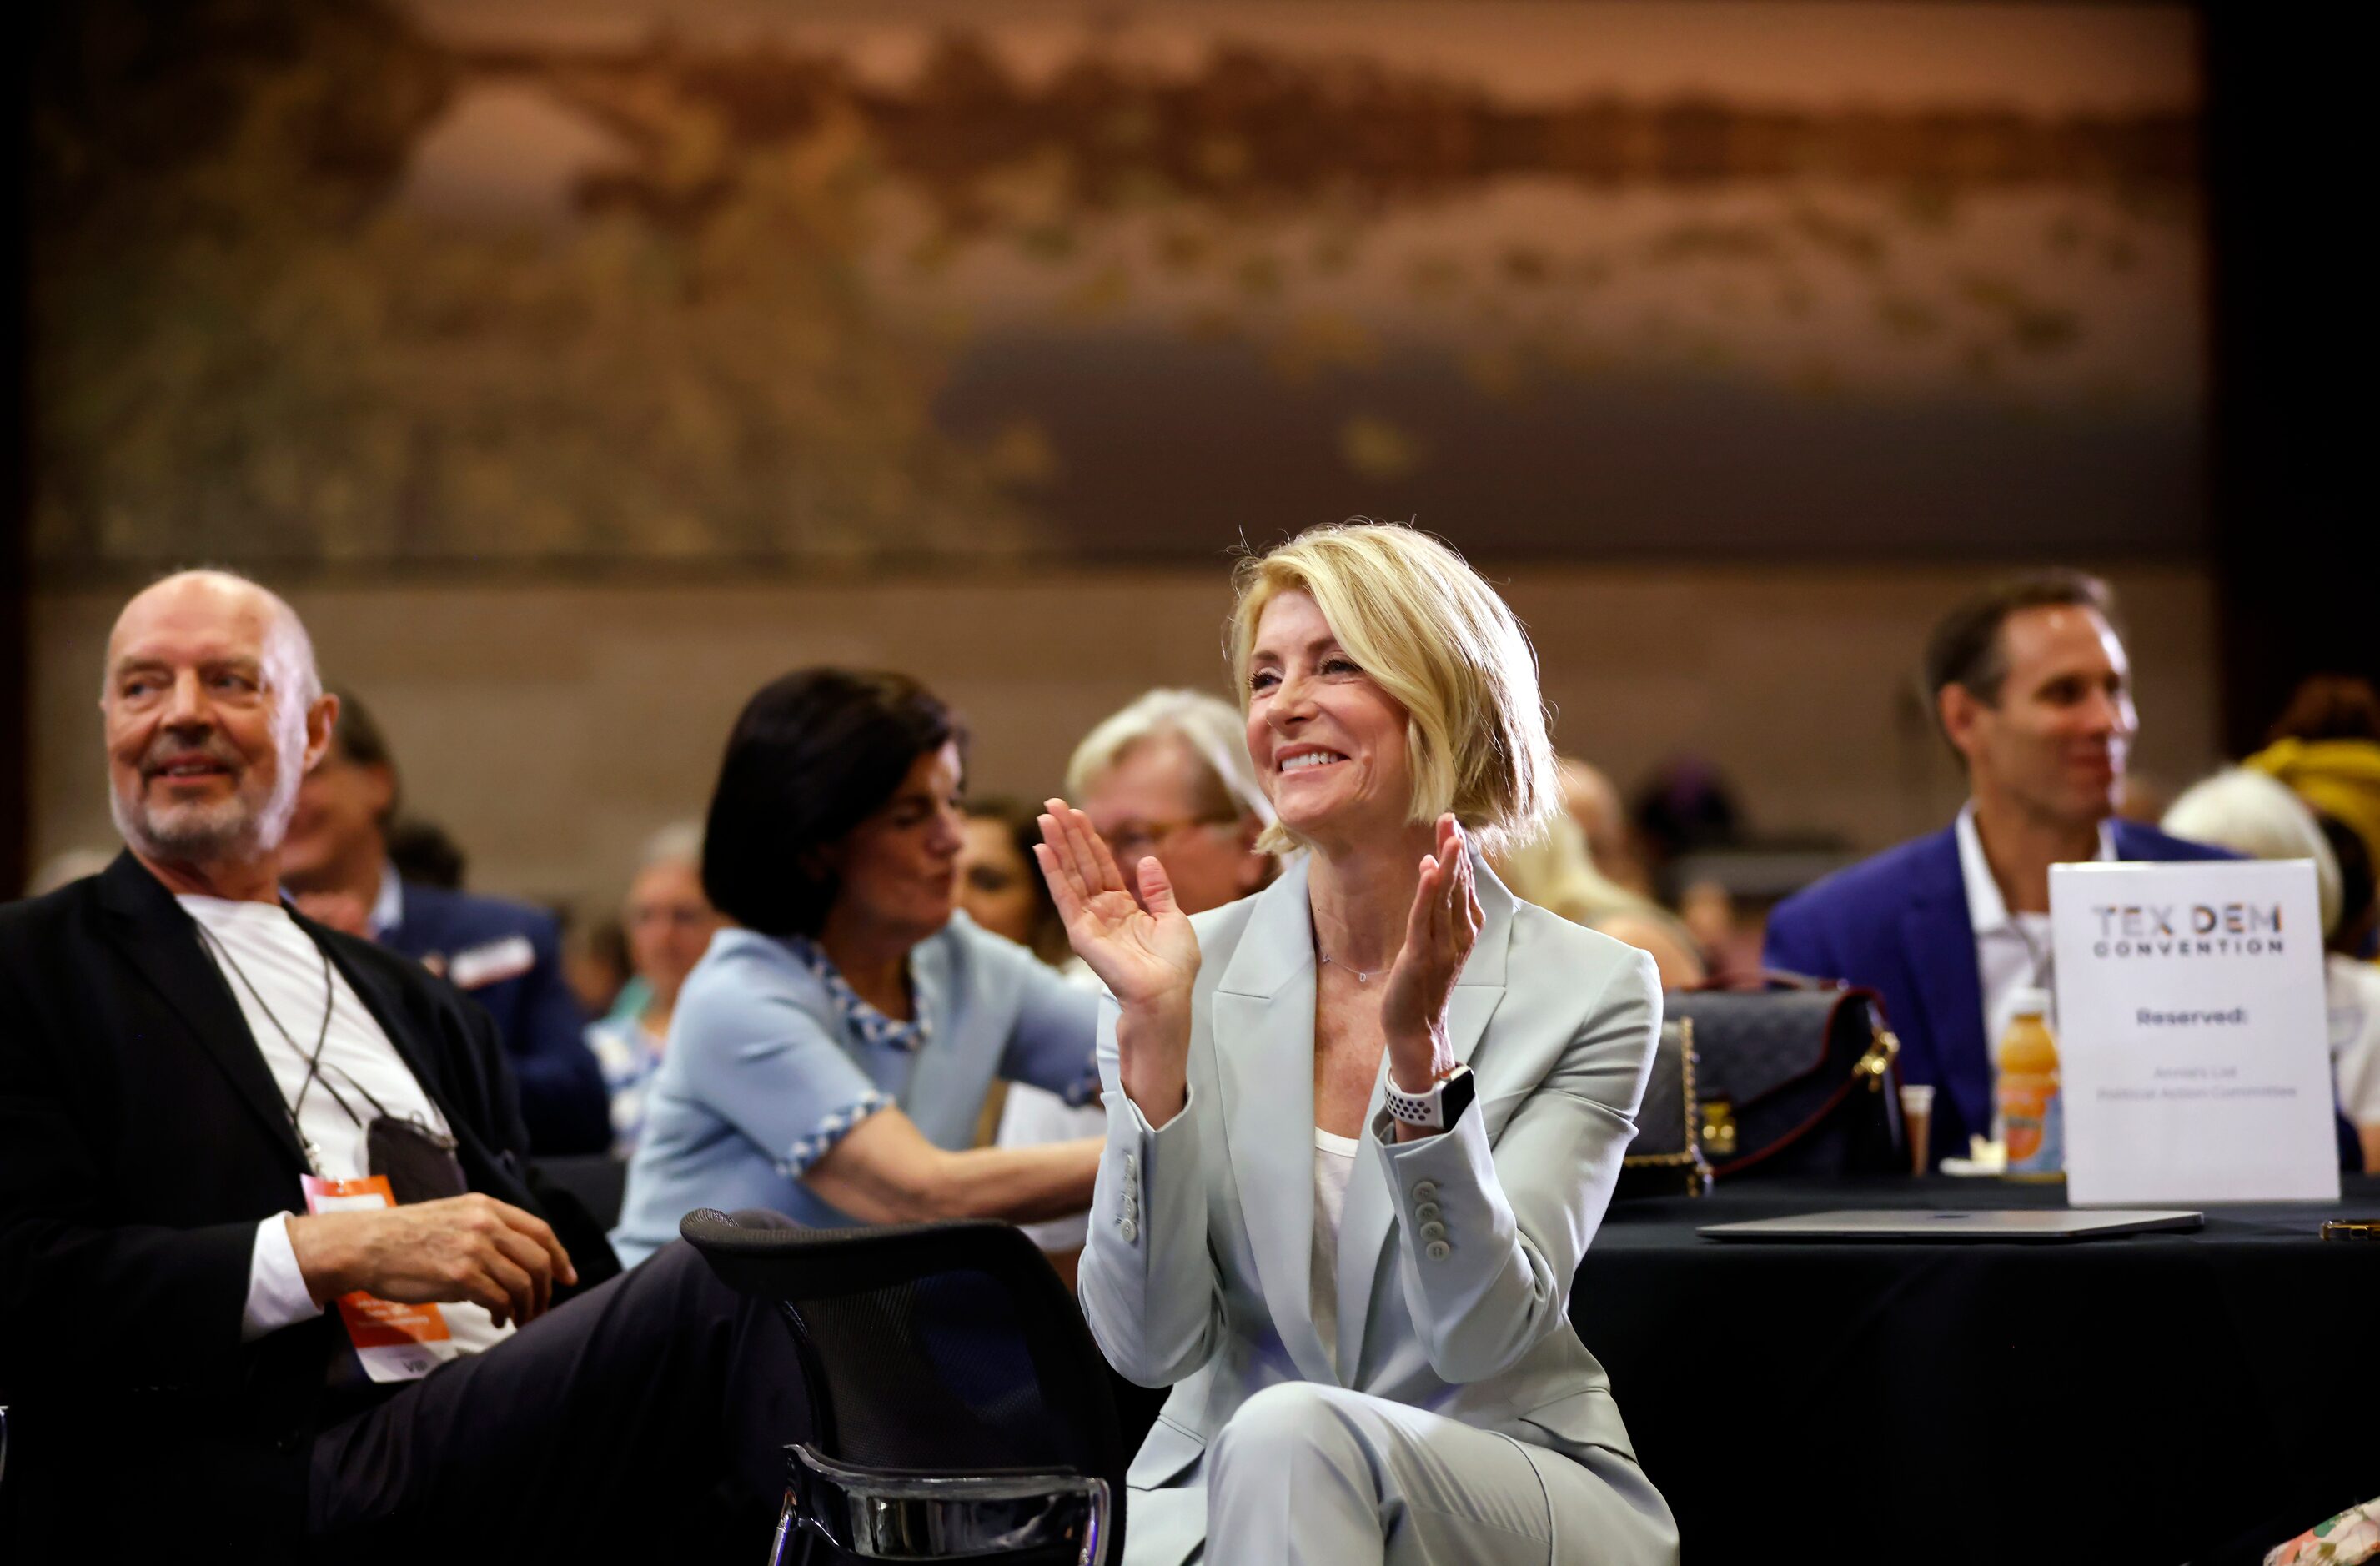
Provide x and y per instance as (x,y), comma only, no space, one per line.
(669,924)
(1168,777)
(1362,1125)
(2252,813)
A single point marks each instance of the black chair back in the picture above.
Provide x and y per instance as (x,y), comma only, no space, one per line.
(947,1348)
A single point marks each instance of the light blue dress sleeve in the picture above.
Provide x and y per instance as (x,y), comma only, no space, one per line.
(1056,1032)
(776,1072)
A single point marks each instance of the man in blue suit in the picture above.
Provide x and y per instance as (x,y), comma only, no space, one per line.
(2034,691)
(506,955)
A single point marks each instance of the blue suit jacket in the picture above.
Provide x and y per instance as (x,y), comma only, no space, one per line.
(1898,924)
(562,1095)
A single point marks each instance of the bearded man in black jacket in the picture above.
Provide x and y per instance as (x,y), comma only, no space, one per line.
(186,1068)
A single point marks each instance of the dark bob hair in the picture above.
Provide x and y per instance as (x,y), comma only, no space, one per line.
(812,755)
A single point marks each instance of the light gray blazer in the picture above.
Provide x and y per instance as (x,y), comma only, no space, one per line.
(1201,1232)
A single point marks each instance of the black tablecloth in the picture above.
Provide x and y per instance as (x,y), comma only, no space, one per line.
(2155,1398)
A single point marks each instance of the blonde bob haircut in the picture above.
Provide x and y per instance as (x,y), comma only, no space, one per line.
(1419,621)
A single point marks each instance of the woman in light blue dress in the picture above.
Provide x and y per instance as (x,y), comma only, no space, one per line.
(829,1058)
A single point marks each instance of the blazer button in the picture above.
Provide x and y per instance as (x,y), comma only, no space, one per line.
(1424,1189)
(1433,1231)
(1129,1229)
(1427,1209)
(1440,1250)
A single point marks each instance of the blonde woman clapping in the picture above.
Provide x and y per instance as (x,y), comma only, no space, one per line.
(1362,1125)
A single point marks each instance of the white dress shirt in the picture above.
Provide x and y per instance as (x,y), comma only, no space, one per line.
(275,971)
(2013,952)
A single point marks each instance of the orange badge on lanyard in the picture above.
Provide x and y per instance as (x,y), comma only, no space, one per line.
(388,1337)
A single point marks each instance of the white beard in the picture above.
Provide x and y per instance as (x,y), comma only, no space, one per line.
(236,828)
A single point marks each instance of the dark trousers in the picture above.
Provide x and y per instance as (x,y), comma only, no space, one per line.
(650,1412)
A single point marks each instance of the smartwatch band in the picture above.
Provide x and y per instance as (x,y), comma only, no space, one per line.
(1439,1108)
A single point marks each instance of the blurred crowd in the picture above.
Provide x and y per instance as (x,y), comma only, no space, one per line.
(585,995)
(846,989)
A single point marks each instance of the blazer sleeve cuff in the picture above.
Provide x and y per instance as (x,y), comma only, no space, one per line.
(1451,1208)
(1147,1286)
(1140,1121)
(1148,1176)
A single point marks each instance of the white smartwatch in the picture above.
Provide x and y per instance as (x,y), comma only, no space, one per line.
(1439,1108)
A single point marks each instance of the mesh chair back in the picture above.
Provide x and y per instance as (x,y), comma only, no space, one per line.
(947,1348)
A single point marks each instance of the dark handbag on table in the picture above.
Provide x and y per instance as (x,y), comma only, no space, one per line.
(1665,1158)
(1795,1078)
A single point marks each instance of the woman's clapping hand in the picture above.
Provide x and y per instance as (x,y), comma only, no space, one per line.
(1141,955)
(1147,956)
(1440,933)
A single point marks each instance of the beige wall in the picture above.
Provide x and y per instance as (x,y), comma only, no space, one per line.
(551,727)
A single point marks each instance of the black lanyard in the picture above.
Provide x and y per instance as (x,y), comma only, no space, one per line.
(313,1061)
(419,1162)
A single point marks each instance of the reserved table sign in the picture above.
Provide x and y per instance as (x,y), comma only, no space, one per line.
(2193,1041)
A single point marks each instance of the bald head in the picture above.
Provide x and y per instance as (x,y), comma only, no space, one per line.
(224,600)
(213,713)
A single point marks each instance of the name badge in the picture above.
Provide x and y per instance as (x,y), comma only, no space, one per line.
(393,1340)
(491,963)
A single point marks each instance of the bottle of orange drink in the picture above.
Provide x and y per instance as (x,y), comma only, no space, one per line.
(2033,1122)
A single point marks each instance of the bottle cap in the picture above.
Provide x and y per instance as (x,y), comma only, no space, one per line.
(2029,1003)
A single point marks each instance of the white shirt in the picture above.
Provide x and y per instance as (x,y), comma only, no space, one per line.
(2013,951)
(2352,992)
(1334,1162)
(275,972)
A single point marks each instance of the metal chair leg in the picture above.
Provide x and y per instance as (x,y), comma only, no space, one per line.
(788,1523)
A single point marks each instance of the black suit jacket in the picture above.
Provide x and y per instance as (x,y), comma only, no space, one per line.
(142,1141)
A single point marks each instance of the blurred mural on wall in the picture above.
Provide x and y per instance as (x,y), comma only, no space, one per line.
(494,285)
